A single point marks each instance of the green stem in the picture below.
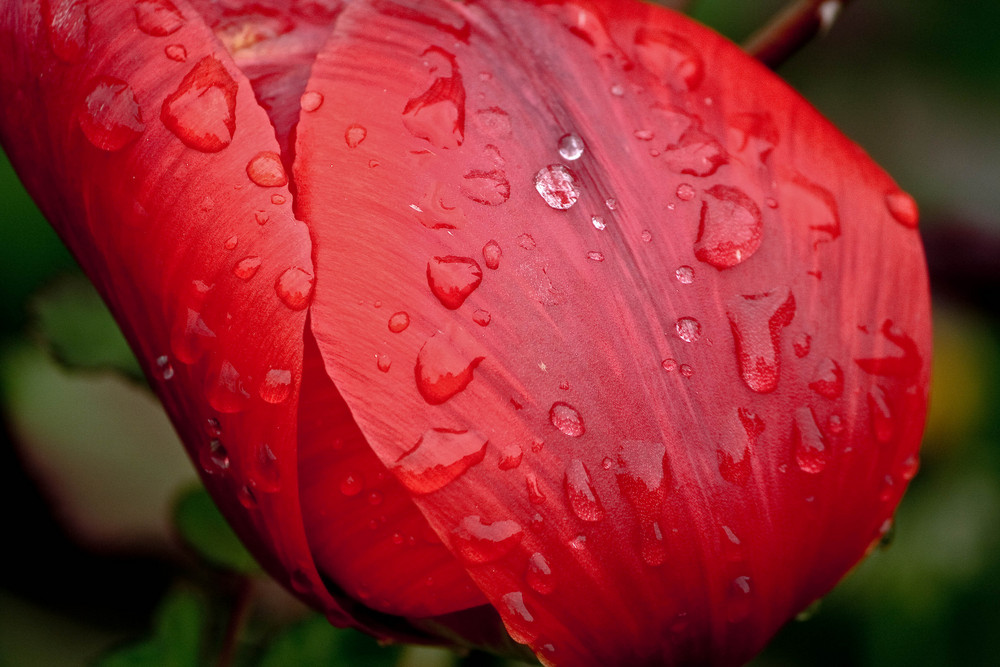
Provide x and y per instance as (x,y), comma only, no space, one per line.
(791,29)
(238,616)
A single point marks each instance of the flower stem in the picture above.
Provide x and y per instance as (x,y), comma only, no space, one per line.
(238,616)
(791,29)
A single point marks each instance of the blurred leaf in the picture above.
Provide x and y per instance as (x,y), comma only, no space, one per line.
(176,640)
(315,642)
(79,330)
(202,527)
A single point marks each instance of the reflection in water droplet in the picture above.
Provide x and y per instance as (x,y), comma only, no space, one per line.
(567,419)
(810,452)
(445,365)
(688,329)
(731,227)
(489,188)
(294,288)
(247,268)
(158,18)
(176,52)
(757,321)
(908,470)
(479,542)
(109,114)
(310,101)
(581,494)
(440,457)
(558,186)
(202,111)
(355,134)
(903,208)
(276,387)
(571,147)
(399,321)
(265,169)
(452,279)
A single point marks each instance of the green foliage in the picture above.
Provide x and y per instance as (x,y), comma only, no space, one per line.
(176,640)
(202,527)
(315,642)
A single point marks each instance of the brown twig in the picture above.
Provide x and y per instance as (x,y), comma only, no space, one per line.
(791,29)
(238,616)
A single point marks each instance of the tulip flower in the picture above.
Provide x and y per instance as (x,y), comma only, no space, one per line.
(560,322)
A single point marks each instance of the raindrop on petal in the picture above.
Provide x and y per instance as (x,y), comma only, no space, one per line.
(581,494)
(265,169)
(158,18)
(109,114)
(810,452)
(903,208)
(277,386)
(479,542)
(452,279)
(571,147)
(445,365)
(294,288)
(311,100)
(202,111)
(757,321)
(558,186)
(567,419)
(440,457)
(731,227)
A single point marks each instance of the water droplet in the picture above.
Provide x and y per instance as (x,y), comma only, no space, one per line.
(479,542)
(492,254)
(757,321)
(445,365)
(438,114)
(685,192)
(644,135)
(276,387)
(695,153)
(753,134)
(202,111)
(277,200)
(535,494)
(225,390)
(158,18)
(685,275)
(567,419)
(247,267)
(355,134)
(109,114)
(510,457)
(213,428)
(669,57)
(571,147)
(647,236)
(495,122)
(802,199)
(737,471)
(310,101)
(595,256)
(611,203)
(526,241)
(247,498)
(440,457)
(452,279)
(581,494)
(399,321)
(558,186)
(881,415)
(352,484)
(213,457)
(903,208)
(68,23)
(686,371)
(383,361)
(164,366)
(642,477)
(810,452)
(801,344)
(739,599)
(906,365)
(829,379)
(731,228)
(688,329)
(490,188)
(261,217)
(598,222)
(482,317)
(265,169)
(375,498)
(176,52)
(294,288)
(910,466)
(517,619)
(669,365)
(231,243)
(265,472)
(539,575)
(771,202)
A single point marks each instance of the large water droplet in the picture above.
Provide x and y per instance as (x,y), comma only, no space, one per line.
(294,287)
(68,23)
(479,542)
(452,279)
(810,452)
(265,169)
(438,114)
(828,379)
(643,473)
(669,57)
(492,254)
(558,186)
(539,575)
(581,494)
(903,208)
(445,365)
(688,329)
(440,457)
(202,111)
(567,419)
(757,321)
(571,147)
(731,228)
(225,390)
(109,114)
(277,386)
(517,619)
(158,18)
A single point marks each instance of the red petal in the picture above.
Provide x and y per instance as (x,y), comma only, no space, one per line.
(625,510)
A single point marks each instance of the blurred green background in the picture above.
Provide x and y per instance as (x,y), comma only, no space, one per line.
(91,470)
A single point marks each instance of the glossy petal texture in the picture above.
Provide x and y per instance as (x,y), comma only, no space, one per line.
(591,318)
(660,309)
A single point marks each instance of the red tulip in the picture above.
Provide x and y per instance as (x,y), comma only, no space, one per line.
(565,314)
